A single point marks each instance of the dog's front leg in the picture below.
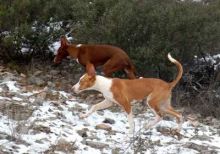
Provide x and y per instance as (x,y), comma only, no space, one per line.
(102,105)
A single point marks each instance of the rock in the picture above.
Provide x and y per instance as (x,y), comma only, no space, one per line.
(103,127)
(40,128)
(50,95)
(97,145)
(54,72)
(51,84)
(202,138)
(109,121)
(36,81)
(116,151)
(37,73)
(62,146)
(200,148)
(215,122)
(41,97)
(194,123)
(23,75)
(22,128)
(83,132)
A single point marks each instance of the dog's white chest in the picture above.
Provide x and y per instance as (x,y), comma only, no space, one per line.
(78,45)
(77,60)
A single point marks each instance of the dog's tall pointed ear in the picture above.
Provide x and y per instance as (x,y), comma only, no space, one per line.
(64,41)
(90,69)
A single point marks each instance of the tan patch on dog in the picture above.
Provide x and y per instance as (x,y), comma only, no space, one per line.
(86,82)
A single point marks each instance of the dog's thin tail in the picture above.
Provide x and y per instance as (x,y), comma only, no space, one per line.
(180,70)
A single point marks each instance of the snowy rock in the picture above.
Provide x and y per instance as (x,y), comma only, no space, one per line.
(40,128)
(83,132)
(202,137)
(62,146)
(200,148)
(97,145)
(103,127)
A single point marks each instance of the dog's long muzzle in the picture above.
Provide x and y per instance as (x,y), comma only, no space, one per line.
(75,89)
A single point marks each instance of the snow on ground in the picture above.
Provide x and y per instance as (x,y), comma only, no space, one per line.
(55,46)
(212,59)
(51,123)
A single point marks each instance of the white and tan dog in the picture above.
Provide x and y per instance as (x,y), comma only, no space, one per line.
(124,91)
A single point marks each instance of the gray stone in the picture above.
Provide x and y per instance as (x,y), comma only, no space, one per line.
(200,148)
(36,81)
(54,72)
(103,127)
(97,145)
(37,73)
(83,132)
(51,84)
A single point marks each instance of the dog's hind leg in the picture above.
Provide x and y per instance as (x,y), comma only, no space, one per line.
(153,105)
(168,109)
(177,115)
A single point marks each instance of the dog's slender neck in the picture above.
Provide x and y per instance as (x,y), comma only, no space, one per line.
(73,51)
(103,85)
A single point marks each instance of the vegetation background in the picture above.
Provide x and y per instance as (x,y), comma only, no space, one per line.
(146,29)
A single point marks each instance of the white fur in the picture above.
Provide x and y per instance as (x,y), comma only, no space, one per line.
(77,60)
(78,45)
(77,85)
(100,106)
(103,85)
(131,123)
(171,58)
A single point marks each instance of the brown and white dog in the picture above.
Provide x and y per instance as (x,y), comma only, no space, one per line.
(124,91)
(112,58)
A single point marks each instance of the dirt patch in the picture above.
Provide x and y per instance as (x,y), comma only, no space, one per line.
(62,146)
(16,111)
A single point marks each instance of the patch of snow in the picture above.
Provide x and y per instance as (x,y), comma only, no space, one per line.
(5,98)
(7,125)
(214,60)
(56,45)
(63,93)
(17,99)
(26,50)
(11,85)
